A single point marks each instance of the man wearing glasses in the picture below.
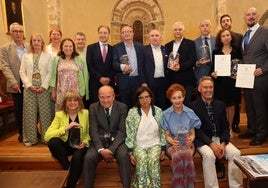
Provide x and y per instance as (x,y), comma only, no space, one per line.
(11,55)
(127,63)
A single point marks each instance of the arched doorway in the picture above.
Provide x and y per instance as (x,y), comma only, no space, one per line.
(138,30)
(143,15)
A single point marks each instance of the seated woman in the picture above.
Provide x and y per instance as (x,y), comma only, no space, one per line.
(145,139)
(179,123)
(63,138)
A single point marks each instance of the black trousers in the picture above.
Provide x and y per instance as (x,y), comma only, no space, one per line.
(18,103)
(61,150)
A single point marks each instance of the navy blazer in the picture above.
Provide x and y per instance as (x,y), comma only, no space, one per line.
(204,133)
(203,70)
(99,124)
(123,79)
(185,75)
(149,63)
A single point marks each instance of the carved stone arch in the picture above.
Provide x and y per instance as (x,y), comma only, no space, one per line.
(264,19)
(148,12)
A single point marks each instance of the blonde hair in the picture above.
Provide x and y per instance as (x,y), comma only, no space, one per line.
(72,94)
(31,50)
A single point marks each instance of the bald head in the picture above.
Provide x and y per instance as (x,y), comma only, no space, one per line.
(106,96)
(251,16)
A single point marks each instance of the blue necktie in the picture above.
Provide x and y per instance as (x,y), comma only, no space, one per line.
(246,38)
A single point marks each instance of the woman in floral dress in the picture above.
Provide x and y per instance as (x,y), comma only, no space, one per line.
(69,73)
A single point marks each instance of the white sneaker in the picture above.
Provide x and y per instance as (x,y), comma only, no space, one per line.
(28,144)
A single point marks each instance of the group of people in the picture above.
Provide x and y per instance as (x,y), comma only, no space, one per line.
(148,110)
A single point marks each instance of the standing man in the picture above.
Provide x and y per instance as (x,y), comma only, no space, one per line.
(80,44)
(202,65)
(11,55)
(107,133)
(182,74)
(255,51)
(226,23)
(212,138)
(127,62)
(155,68)
(100,63)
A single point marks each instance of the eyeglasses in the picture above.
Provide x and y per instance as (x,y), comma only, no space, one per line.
(126,32)
(17,31)
(145,97)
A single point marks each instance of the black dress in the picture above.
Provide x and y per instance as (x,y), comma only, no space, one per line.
(224,86)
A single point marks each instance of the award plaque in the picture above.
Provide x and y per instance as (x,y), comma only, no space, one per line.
(204,51)
(173,60)
(74,137)
(234,65)
(124,59)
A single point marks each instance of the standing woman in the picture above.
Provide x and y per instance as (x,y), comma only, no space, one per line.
(69,72)
(145,139)
(55,36)
(225,89)
(175,118)
(58,135)
(35,73)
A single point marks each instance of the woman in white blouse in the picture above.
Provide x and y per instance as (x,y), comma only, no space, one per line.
(35,73)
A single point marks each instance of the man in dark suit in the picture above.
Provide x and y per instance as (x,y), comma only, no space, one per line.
(11,55)
(226,23)
(100,67)
(255,51)
(182,74)
(107,133)
(155,68)
(203,65)
(127,62)
(212,138)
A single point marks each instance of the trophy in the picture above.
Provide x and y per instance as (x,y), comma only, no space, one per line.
(234,65)
(124,59)
(74,137)
(204,51)
(173,60)
(181,137)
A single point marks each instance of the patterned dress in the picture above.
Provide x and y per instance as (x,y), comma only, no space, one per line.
(67,80)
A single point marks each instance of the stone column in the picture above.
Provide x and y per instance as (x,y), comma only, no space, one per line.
(220,10)
(54,13)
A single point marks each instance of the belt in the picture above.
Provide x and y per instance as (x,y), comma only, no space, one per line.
(36,75)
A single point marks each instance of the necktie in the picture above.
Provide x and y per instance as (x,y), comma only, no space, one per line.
(107,113)
(246,38)
(206,43)
(104,52)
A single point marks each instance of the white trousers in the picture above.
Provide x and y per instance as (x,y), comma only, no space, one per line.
(209,170)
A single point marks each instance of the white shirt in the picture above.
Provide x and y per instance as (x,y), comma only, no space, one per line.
(158,60)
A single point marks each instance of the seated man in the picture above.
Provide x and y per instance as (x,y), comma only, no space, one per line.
(212,139)
(108,133)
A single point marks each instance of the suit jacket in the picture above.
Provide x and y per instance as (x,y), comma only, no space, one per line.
(11,65)
(45,67)
(201,71)
(185,75)
(98,68)
(257,51)
(149,64)
(57,127)
(99,124)
(119,50)
(204,133)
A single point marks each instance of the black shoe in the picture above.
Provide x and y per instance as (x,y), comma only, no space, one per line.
(220,169)
(246,135)
(235,129)
(257,141)
(20,139)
